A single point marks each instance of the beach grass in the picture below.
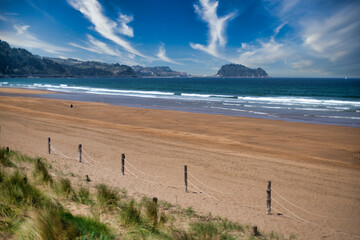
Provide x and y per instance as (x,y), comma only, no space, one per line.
(29,210)
(41,172)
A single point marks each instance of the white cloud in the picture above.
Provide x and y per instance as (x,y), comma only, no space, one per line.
(302,64)
(96,46)
(124,28)
(207,10)
(106,52)
(266,53)
(93,11)
(263,53)
(162,55)
(288,5)
(23,38)
(336,36)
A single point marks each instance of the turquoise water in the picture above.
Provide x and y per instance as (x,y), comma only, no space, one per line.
(323,101)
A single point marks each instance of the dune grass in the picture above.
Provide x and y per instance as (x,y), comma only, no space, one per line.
(41,172)
(29,210)
(108,199)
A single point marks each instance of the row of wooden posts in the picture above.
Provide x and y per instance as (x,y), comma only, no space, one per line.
(268,190)
(254,229)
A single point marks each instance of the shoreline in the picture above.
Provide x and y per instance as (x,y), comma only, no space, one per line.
(202,105)
(314,166)
(200,118)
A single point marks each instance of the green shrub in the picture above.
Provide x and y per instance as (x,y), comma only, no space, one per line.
(63,188)
(19,157)
(16,191)
(56,223)
(41,172)
(4,158)
(230,226)
(130,214)
(83,196)
(177,234)
(152,213)
(107,198)
(16,196)
(189,212)
(205,231)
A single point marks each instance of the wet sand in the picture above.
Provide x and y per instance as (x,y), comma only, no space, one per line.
(315,167)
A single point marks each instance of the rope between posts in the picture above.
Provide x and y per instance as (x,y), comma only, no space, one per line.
(88,162)
(91,157)
(311,223)
(208,186)
(151,182)
(127,162)
(273,199)
(287,215)
(132,173)
(201,191)
(301,207)
(59,153)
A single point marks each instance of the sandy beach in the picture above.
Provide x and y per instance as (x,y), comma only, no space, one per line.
(314,169)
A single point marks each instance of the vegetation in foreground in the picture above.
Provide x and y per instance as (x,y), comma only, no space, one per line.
(32,206)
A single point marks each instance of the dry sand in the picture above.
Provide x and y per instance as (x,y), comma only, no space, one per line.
(315,167)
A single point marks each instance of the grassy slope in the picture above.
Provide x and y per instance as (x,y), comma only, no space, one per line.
(32,206)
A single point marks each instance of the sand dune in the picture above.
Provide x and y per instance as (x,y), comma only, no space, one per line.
(315,167)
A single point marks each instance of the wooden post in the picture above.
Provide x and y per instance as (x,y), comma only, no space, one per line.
(268,199)
(254,231)
(80,152)
(185,175)
(123,164)
(49,145)
(155,200)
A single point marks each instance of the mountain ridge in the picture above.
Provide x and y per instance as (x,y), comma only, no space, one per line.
(18,62)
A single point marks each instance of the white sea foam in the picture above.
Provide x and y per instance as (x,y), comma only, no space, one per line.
(300,100)
(195,95)
(339,117)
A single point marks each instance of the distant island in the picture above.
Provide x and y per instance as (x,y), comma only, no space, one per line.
(18,62)
(240,71)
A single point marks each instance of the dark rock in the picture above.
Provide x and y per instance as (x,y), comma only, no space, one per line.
(240,71)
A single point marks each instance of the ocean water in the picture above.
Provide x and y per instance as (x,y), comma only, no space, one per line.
(310,100)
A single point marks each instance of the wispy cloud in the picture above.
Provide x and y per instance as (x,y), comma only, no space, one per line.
(336,36)
(124,27)
(105,51)
(207,10)
(264,52)
(93,11)
(162,55)
(96,46)
(21,37)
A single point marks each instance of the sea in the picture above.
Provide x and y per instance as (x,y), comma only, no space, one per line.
(334,101)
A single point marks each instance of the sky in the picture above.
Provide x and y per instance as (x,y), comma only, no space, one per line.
(287,38)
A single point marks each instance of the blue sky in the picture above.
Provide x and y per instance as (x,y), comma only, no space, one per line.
(285,37)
